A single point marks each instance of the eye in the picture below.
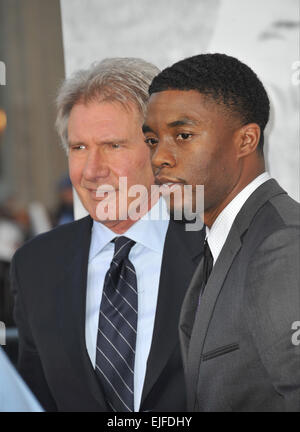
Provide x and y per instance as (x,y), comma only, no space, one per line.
(184,136)
(78,147)
(151,142)
(115,146)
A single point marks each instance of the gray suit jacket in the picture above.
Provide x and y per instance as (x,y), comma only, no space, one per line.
(237,344)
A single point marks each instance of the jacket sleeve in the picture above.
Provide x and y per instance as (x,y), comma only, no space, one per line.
(29,363)
(273,308)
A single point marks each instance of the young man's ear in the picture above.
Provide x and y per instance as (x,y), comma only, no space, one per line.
(247,139)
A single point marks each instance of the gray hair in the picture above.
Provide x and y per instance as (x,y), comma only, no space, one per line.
(113,79)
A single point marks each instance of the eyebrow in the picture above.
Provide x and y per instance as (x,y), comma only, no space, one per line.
(146,128)
(183,122)
(101,142)
(74,143)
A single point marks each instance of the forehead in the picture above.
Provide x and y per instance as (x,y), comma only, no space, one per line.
(172,105)
(104,116)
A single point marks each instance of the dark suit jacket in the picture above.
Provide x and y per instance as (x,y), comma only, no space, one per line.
(238,352)
(49,277)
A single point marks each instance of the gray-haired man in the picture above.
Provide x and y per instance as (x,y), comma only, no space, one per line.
(97,317)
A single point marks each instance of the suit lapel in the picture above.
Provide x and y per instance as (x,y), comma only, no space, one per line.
(72,304)
(205,310)
(181,255)
(192,342)
(188,311)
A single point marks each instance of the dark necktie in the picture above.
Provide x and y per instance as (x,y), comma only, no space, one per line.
(207,265)
(116,338)
(208,262)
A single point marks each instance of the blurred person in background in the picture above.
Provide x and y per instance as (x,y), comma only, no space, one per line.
(64,212)
(14,230)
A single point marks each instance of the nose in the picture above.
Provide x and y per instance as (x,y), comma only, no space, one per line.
(95,166)
(164,155)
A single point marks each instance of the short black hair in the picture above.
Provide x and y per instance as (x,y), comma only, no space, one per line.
(226,80)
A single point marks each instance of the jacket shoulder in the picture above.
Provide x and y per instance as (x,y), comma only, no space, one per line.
(287,208)
(54,240)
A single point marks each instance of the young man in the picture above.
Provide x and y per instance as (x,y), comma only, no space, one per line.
(205,125)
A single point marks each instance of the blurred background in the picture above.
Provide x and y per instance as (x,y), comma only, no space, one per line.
(42,41)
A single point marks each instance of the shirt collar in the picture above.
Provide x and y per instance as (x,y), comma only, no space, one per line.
(149,231)
(217,234)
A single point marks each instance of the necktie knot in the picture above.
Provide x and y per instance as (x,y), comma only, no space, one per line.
(123,246)
(206,250)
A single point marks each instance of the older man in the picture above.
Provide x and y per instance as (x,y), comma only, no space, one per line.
(98,300)
(240,317)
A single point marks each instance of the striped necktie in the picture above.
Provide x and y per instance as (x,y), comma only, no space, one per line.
(117,328)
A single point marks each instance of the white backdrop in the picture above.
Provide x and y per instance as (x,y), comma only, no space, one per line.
(263,34)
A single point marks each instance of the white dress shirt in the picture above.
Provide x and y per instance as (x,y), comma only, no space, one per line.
(217,234)
(15,396)
(146,256)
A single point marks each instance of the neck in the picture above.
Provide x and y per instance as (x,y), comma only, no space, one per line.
(121,226)
(210,215)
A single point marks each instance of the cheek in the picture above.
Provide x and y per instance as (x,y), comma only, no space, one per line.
(145,169)
(75,170)
(145,164)
(140,171)
(142,161)
(193,165)
(143,154)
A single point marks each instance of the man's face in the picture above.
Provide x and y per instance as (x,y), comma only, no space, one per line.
(106,142)
(191,139)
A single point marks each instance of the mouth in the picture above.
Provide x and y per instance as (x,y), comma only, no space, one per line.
(169,182)
(168,186)
(100,193)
